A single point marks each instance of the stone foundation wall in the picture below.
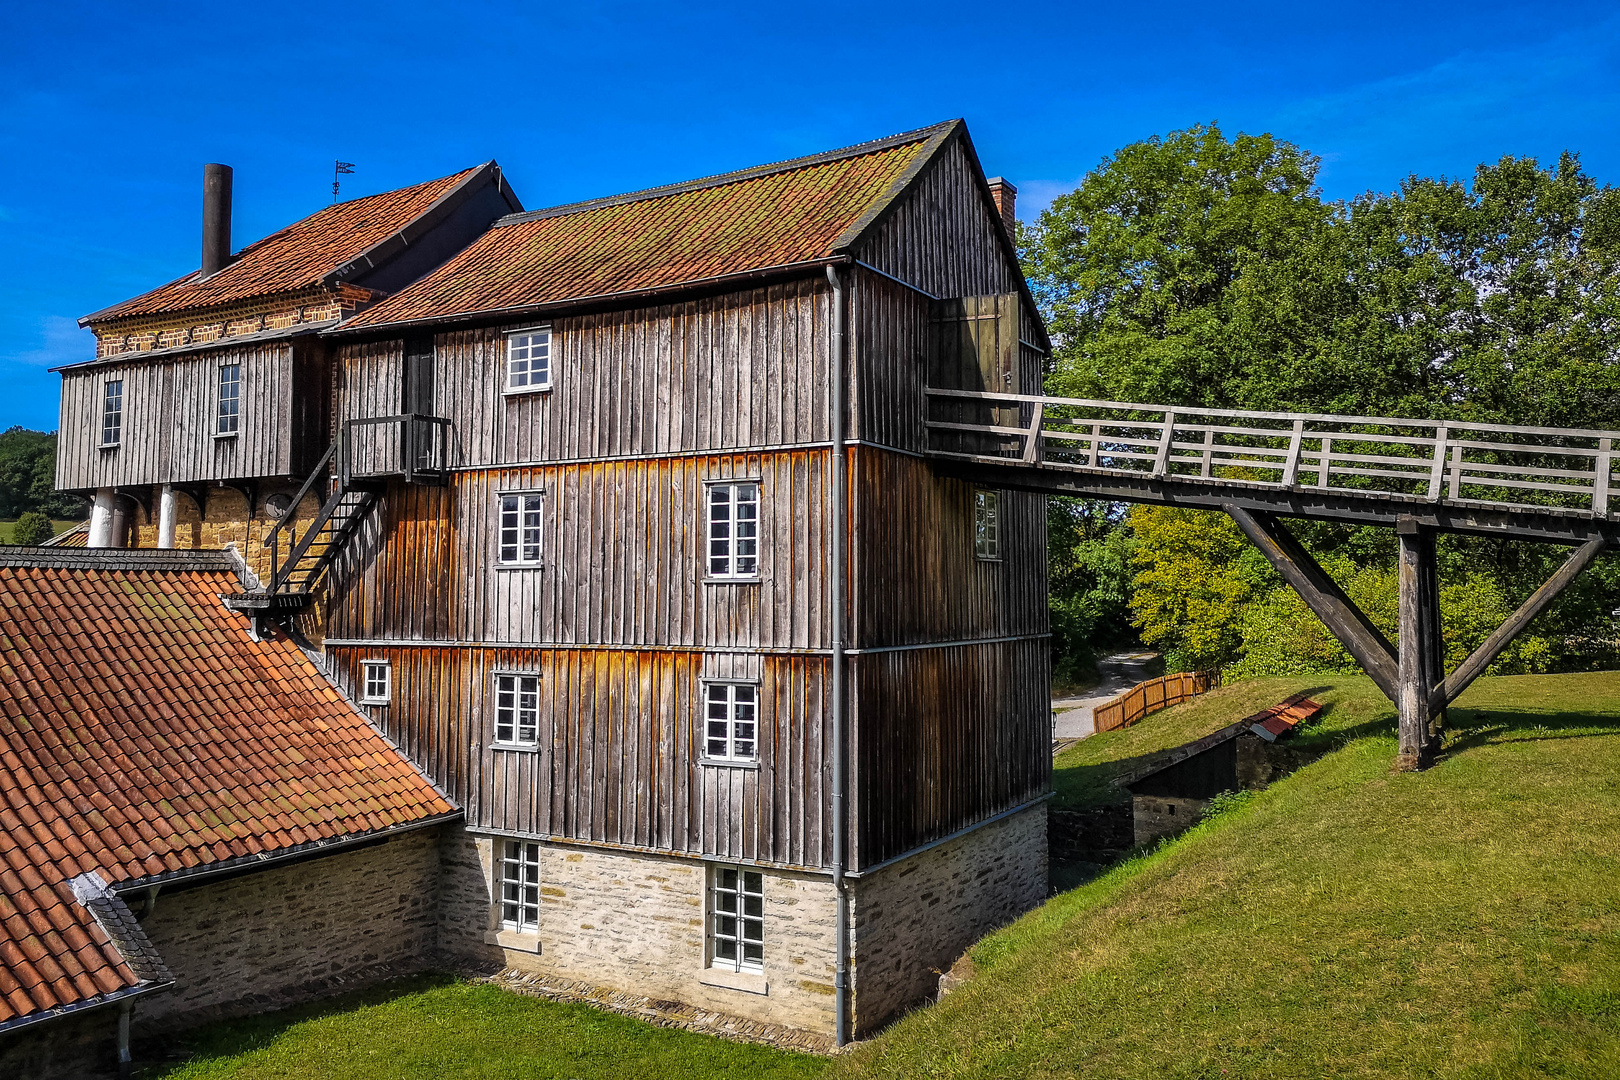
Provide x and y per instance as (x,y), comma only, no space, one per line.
(912,920)
(82,1047)
(634,923)
(276,937)
(1158,816)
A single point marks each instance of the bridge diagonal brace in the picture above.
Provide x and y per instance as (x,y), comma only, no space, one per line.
(1492,646)
(1349,624)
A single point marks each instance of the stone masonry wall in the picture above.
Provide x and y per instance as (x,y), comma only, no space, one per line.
(634,922)
(279,936)
(912,920)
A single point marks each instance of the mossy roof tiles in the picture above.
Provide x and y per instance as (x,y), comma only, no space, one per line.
(112,761)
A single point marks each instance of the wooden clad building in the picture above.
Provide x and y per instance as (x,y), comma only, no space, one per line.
(628,537)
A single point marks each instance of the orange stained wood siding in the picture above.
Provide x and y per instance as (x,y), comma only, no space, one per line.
(779,218)
(619,749)
(944,737)
(623,559)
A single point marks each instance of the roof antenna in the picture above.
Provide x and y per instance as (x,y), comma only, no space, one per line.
(341,168)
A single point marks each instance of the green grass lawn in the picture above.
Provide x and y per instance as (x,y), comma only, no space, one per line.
(439,1027)
(57,528)
(1347,922)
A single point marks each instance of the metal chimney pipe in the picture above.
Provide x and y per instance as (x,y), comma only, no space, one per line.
(216,242)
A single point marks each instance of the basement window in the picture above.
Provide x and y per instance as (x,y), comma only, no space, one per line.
(736,919)
(733,531)
(376,682)
(517,711)
(528,360)
(112,412)
(731,722)
(520,528)
(987,525)
(230,399)
(520,886)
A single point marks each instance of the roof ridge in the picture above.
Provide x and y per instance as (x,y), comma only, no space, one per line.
(753,172)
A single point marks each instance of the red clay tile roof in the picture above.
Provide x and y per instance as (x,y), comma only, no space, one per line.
(298,257)
(778,215)
(1279,720)
(142,733)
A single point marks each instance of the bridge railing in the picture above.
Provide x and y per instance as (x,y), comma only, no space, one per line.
(1490,464)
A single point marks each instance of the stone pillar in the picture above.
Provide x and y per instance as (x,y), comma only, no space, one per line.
(166,517)
(101,519)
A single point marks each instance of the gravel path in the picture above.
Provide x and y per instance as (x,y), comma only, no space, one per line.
(1119,673)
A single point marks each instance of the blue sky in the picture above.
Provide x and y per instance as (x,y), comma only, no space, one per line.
(108,111)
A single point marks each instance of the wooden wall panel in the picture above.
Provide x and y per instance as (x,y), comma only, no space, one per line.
(916,578)
(623,558)
(170,415)
(946,737)
(618,760)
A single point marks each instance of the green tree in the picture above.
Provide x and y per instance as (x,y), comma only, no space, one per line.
(31,528)
(28,477)
(1089,571)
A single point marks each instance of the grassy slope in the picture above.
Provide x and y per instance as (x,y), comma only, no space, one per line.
(1463,922)
(440,1027)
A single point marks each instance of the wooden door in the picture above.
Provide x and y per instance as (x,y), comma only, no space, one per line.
(973,345)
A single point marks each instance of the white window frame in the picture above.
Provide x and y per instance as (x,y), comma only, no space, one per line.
(519,527)
(986,525)
(730,929)
(518,885)
(221,430)
(112,419)
(734,747)
(514,725)
(514,366)
(729,557)
(367,695)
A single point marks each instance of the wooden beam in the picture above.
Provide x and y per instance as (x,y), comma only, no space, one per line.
(1340,614)
(1492,647)
(1418,644)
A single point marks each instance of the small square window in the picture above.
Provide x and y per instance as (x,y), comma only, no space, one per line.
(731,722)
(734,531)
(987,524)
(517,710)
(736,919)
(230,399)
(520,885)
(520,529)
(112,412)
(376,683)
(528,360)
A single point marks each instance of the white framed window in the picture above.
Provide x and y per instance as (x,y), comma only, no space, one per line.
(520,528)
(517,710)
(986,524)
(520,885)
(736,918)
(112,412)
(734,530)
(528,360)
(731,721)
(376,682)
(230,399)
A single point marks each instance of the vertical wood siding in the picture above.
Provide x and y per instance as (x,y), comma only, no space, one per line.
(623,559)
(734,371)
(946,737)
(170,416)
(620,742)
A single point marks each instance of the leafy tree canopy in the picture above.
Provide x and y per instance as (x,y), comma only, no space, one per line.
(28,477)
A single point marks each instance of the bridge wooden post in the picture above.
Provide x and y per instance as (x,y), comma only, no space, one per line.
(1420,663)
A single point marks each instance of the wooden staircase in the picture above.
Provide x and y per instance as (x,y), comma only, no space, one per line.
(340,517)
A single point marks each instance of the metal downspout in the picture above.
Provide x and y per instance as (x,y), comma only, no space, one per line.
(839,529)
(125,1062)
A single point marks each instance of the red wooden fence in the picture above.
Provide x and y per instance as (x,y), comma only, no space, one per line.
(1143,699)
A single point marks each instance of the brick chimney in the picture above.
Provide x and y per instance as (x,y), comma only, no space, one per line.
(1006,196)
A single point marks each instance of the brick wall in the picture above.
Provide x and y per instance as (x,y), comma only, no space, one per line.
(912,920)
(143,333)
(634,923)
(279,936)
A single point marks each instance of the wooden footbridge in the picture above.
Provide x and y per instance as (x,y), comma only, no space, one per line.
(1419,477)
